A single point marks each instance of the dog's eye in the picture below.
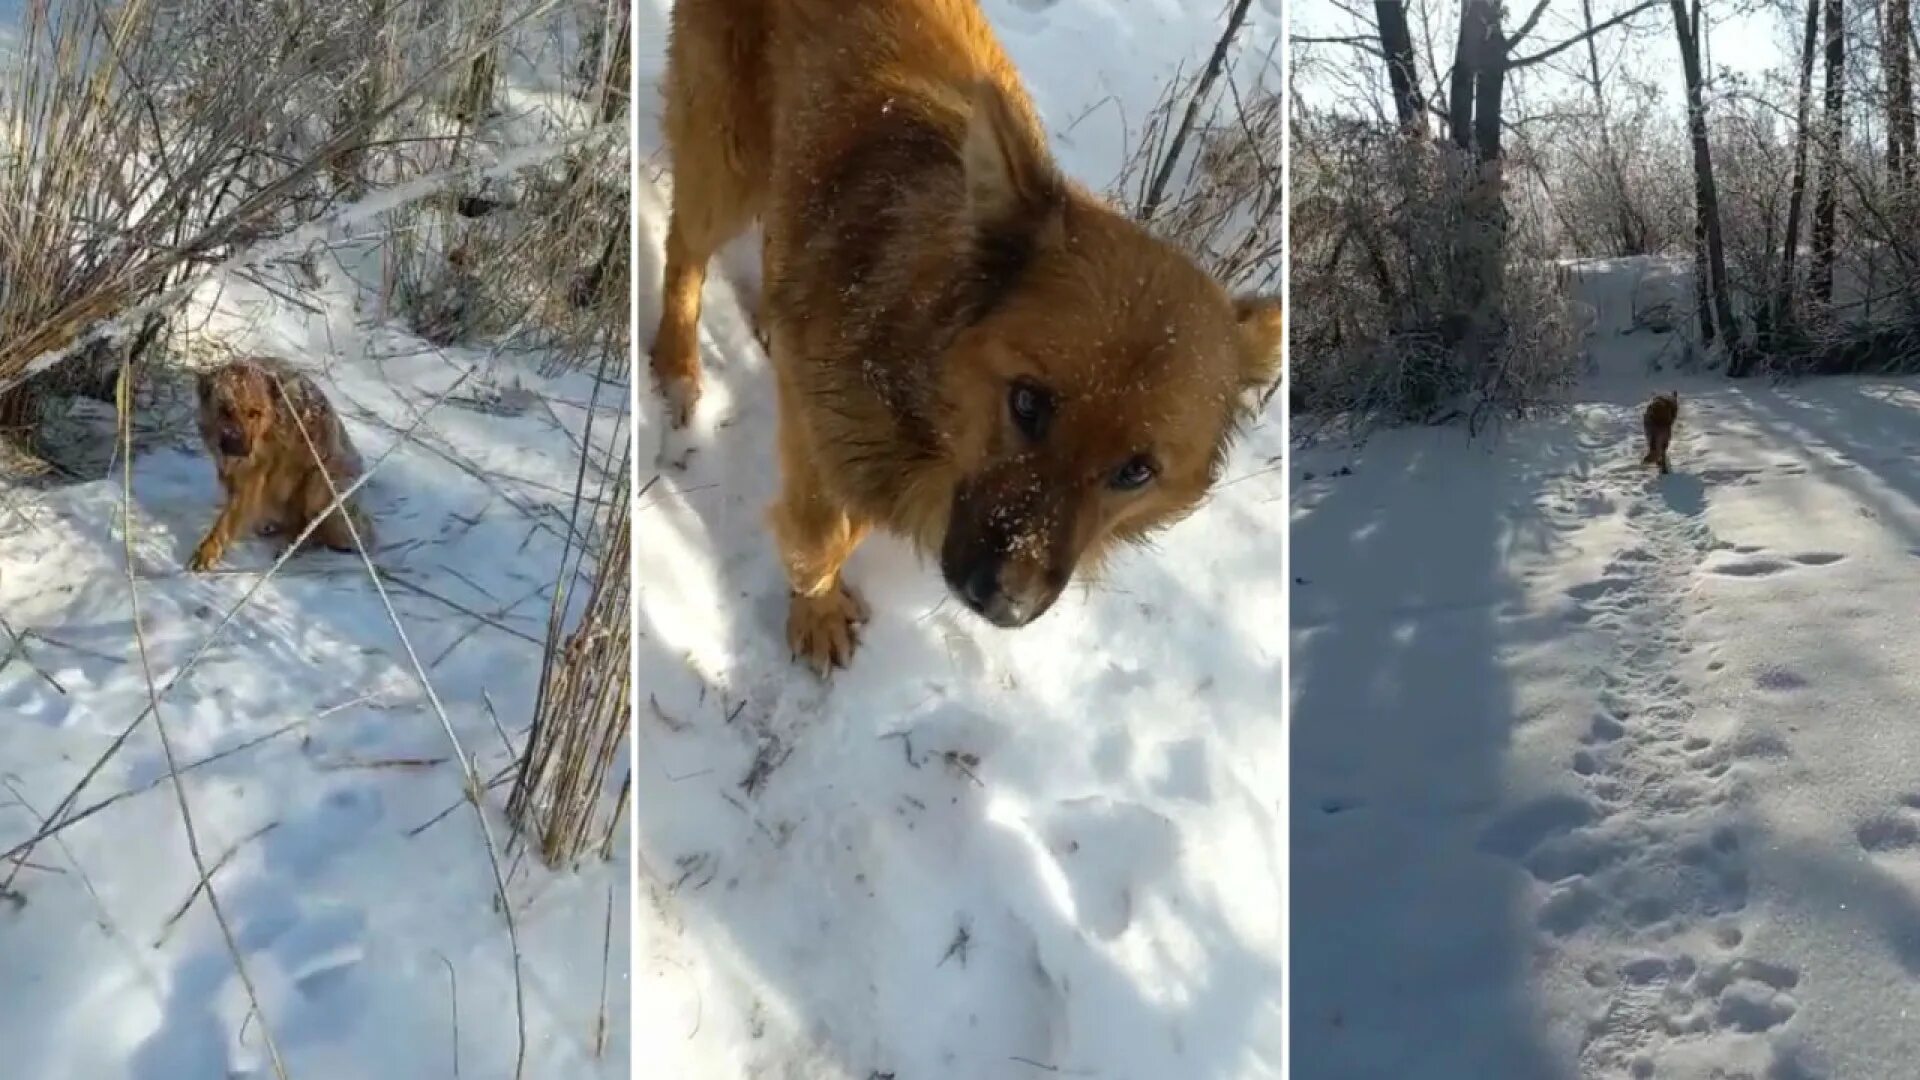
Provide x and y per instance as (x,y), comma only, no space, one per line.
(1134,475)
(1031,407)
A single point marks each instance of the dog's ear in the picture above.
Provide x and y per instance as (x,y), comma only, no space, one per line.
(1010,179)
(1263,331)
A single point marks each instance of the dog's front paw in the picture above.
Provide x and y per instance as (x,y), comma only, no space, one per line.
(824,630)
(681,395)
(206,556)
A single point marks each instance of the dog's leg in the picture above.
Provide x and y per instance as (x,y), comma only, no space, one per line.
(715,125)
(315,497)
(815,536)
(675,358)
(236,516)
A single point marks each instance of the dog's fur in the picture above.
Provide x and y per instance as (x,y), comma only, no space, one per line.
(926,266)
(276,443)
(1659,418)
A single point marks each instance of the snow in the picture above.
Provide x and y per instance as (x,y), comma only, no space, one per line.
(975,853)
(1600,773)
(354,875)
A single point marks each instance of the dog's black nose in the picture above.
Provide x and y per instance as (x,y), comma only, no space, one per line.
(979,586)
(233,444)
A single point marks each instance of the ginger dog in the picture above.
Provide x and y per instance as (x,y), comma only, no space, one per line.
(1659,418)
(276,443)
(969,350)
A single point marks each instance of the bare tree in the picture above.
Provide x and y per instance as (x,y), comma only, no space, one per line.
(1783,289)
(1898,50)
(1716,305)
(1410,107)
(1484,57)
(1632,232)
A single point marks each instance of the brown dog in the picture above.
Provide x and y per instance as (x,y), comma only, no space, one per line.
(970,351)
(276,443)
(1661,412)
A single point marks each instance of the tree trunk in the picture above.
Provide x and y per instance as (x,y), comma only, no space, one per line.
(1899,62)
(1396,41)
(1473,111)
(1703,275)
(1783,289)
(1468,54)
(1826,205)
(1706,197)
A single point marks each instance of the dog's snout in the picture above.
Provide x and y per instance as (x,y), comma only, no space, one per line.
(233,443)
(982,586)
(1001,560)
(979,585)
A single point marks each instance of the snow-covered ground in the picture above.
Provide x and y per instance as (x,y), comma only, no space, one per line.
(1597,773)
(324,786)
(975,853)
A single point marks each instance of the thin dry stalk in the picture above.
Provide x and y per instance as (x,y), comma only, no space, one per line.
(581,714)
(1228,207)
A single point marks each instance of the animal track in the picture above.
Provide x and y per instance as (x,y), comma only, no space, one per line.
(1108,851)
(1520,830)
(1746,568)
(1892,832)
(1757,566)
(1594,590)
(1779,678)
(1675,996)
(1888,833)
(1818,558)
(1638,868)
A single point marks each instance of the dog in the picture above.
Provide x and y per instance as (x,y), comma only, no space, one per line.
(969,350)
(281,453)
(1658,419)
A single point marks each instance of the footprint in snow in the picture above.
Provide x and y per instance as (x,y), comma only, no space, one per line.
(1762,566)
(1108,851)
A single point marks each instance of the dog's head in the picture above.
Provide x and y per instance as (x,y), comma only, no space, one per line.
(1664,408)
(236,408)
(1094,398)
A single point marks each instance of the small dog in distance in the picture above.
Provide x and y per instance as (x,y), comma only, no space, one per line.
(276,443)
(1659,417)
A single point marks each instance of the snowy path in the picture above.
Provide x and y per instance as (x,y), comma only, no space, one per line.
(1602,774)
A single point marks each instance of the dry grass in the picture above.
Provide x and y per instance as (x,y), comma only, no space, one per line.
(543,263)
(147,143)
(581,716)
(1225,203)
